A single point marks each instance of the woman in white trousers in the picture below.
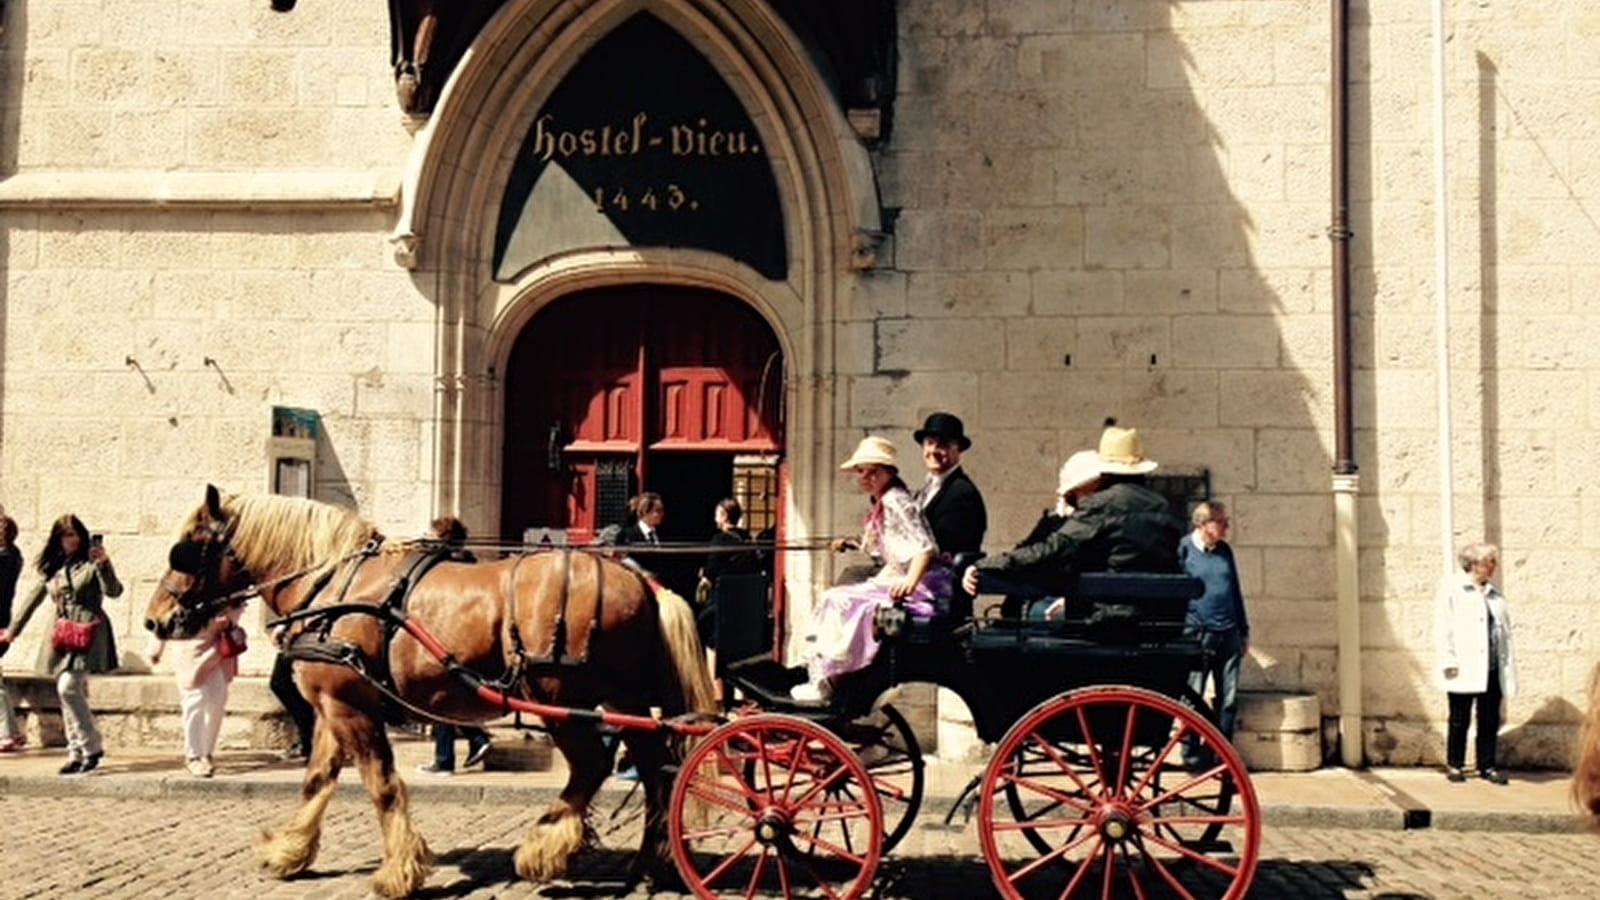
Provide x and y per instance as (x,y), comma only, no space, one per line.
(203,672)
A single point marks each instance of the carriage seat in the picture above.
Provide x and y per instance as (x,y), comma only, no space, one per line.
(1112,608)
(949,612)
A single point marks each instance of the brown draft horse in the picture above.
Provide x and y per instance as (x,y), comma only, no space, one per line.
(630,650)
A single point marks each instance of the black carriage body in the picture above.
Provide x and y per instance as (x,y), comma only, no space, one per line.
(1122,629)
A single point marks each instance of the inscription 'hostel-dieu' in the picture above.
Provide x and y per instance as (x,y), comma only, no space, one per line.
(633,138)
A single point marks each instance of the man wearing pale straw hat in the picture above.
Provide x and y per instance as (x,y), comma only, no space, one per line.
(1079,477)
(1122,526)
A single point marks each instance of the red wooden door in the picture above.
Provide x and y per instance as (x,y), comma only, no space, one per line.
(602,380)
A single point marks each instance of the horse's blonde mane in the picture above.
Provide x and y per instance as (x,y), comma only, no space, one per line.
(277,534)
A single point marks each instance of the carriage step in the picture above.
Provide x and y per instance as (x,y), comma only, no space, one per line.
(1211,848)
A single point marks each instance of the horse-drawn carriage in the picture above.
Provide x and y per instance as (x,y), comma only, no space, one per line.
(1086,792)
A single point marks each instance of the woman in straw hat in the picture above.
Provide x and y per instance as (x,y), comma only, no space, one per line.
(840,638)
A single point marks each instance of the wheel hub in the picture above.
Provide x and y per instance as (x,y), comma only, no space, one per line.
(772,827)
(1116,823)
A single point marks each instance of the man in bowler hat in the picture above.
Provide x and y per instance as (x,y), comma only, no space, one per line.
(949,500)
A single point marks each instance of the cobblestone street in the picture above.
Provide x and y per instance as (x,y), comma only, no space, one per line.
(202,848)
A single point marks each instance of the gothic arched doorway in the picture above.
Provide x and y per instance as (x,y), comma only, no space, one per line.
(616,390)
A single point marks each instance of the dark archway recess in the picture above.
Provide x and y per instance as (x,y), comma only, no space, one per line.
(644,387)
(852,42)
(642,144)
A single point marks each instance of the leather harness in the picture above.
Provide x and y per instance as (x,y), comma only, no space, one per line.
(309,636)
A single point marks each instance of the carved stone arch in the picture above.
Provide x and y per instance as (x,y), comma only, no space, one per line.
(462,162)
(462,159)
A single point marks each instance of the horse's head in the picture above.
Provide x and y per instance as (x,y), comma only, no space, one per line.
(282,5)
(203,575)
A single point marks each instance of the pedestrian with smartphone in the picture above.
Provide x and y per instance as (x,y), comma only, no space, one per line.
(76,575)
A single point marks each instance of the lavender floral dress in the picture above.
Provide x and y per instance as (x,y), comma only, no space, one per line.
(840,638)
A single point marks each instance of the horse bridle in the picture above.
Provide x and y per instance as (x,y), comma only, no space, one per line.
(206,569)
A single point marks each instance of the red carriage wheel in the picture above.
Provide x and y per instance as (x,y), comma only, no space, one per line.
(1211,799)
(775,804)
(1097,803)
(885,744)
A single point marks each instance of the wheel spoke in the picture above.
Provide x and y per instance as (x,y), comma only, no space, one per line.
(1057,853)
(1108,872)
(755,877)
(1125,756)
(1166,875)
(1197,820)
(736,773)
(821,882)
(727,864)
(1177,792)
(1039,824)
(1092,746)
(1052,793)
(837,851)
(1054,754)
(718,798)
(1173,740)
(1192,855)
(726,831)
(822,785)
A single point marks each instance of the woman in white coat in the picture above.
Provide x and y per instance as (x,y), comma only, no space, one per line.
(1472,635)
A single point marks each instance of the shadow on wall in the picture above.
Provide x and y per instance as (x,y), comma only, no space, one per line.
(1141,212)
(1543,740)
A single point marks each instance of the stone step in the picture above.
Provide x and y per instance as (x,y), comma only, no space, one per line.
(1279,751)
(143,711)
(1269,711)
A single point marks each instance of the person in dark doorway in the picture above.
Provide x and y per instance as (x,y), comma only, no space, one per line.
(1216,618)
(724,560)
(949,500)
(451,535)
(730,555)
(648,511)
(1123,526)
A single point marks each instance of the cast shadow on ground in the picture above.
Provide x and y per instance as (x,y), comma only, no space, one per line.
(602,873)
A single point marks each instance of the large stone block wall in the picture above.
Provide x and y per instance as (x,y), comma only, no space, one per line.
(113,412)
(198,86)
(1097,209)
(1121,209)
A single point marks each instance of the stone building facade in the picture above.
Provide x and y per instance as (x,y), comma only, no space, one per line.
(1042,213)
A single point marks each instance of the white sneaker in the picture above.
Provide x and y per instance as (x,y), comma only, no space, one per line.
(811,692)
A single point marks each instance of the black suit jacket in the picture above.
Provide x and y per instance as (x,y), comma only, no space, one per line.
(957,515)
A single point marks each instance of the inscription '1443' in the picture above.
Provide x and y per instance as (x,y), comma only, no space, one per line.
(635,137)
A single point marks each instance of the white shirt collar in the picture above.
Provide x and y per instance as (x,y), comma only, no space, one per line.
(1199,541)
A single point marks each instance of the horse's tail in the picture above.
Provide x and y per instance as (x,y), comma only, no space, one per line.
(686,658)
(1586,774)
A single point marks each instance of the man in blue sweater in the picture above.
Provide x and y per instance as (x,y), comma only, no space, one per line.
(1216,618)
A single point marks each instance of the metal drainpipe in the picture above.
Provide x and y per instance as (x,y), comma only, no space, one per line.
(1346,481)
